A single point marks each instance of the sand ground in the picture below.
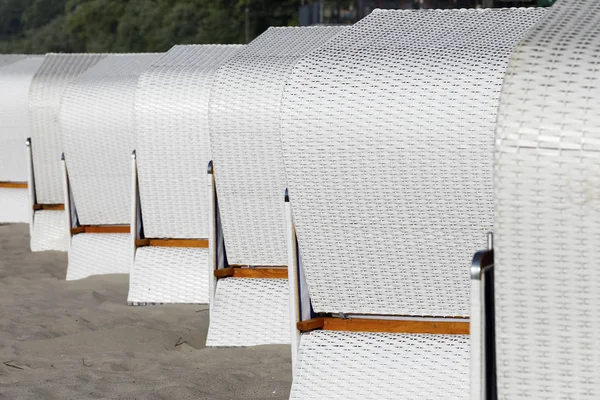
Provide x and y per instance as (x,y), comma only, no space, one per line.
(79,340)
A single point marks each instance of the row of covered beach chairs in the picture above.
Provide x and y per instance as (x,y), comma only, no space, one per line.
(353,173)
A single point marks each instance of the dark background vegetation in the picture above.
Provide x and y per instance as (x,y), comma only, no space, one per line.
(40,26)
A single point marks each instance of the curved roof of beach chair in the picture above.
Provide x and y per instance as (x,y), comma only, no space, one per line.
(15,80)
(387,136)
(6,59)
(244,133)
(47,87)
(547,195)
(97,124)
(173,151)
(250,183)
(48,228)
(172,141)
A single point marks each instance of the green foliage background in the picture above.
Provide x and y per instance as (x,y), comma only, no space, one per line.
(41,26)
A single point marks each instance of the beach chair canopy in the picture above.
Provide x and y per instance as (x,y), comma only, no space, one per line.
(547,191)
(6,59)
(250,181)
(173,151)
(49,83)
(97,124)
(387,135)
(15,80)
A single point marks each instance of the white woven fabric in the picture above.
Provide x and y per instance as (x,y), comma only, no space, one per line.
(6,59)
(14,205)
(250,312)
(99,254)
(172,142)
(244,128)
(173,150)
(45,93)
(15,80)
(387,135)
(49,231)
(47,88)
(547,188)
(381,366)
(169,275)
(96,120)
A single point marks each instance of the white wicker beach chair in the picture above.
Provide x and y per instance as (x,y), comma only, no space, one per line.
(172,151)
(6,59)
(547,196)
(387,136)
(15,79)
(96,121)
(47,226)
(250,304)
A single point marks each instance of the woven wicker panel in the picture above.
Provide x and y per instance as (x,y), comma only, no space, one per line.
(547,189)
(362,366)
(99,254)
(47,87)
(387,136)
(14,205)
(172,142)
(244,130)
(169,275)
(97,124)
(250,312)
(49,231)
(15,80)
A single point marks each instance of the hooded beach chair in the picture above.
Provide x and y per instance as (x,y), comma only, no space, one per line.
(250,298)
(15,80)
(387,135)
(96,121)
(48,227)
(6,59)
(547,196)
(172,152)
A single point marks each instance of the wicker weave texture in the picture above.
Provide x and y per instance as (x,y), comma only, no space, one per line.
(97,123)
(172,141)
(14,206)
(547,191)
(169,275)
(250,312)
(47,88)
(244,133)
(15,80)
(387,135)
(49,231)
(99,254)
(379,366)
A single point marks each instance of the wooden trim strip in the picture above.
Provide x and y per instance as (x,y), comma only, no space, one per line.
(191,243)
(100,229)
(385,326)
(54,207)
(14,185)
(237,272)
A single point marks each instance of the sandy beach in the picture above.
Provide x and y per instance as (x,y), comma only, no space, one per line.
(79,340)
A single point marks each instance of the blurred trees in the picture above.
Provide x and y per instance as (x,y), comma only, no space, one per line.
(39,26)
